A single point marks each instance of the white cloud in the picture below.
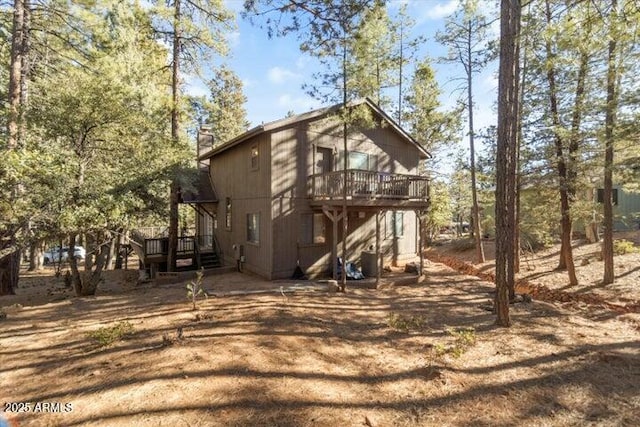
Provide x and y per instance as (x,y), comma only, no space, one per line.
(235,6)
(441,10)
(247,82)
(302,62)
(278,75)
(233,38)
(195,86)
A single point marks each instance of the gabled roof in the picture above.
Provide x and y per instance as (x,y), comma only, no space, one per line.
(282,123)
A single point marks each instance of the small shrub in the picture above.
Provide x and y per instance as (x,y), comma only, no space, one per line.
(464,338)
(623,246)
(195,289)
(107,335)
(406,323)
(202,316)
(439,349)
(168,339)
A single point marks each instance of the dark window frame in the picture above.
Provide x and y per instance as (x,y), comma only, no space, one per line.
(393,220)
(313,238)
(228,213)
(253,228)
(614,196)
(254,162)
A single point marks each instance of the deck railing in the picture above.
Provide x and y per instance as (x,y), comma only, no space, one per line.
(186,245)
(370,185)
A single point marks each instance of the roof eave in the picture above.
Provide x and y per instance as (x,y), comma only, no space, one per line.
(233,142)
(399,129)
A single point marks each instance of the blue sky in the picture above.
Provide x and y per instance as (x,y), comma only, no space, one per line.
(273,70)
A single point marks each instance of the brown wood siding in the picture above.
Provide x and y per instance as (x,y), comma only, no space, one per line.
(290,163)
(250,190)
(395,155)
(278,191)
(315,259)
(293,161)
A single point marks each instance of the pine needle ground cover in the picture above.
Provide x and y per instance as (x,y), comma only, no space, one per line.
(316,359)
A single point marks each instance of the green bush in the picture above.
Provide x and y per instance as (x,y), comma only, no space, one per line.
(107,335)
(623,246)
(464,338)
(195,289)
(539,217)
(406,323)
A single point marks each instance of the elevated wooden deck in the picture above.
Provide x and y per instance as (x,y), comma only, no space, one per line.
(370,189)
(200,250)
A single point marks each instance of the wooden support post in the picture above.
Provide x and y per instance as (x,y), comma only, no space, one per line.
(345,232)
(379,269)
(334,249)
(380,255)
(420,249)
(334,217)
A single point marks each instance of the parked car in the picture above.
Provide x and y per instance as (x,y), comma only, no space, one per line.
(57,255)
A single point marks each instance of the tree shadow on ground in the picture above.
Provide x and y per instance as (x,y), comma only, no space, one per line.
(320,359)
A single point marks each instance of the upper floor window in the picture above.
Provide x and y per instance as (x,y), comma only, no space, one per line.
(364,161)
(255,158)
(227,214)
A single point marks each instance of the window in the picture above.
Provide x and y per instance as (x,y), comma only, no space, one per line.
(614,196)
(312,229)
(255,158)
(358,160)
(364,161)
(324,160)
(253,228)
(395,224)
(227,214)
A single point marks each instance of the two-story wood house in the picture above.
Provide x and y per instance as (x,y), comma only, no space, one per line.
(280,188)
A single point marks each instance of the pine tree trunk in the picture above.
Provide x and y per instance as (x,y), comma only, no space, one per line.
(345,223)
(10,264)
(610,122)
(508,85)
(35,256)
(174,191)
(592,227)
(24,71)
(86,284)
(475,211)
(516,235)
(566,251)
(118,250)
(110,253)
(9,273)
(15,74)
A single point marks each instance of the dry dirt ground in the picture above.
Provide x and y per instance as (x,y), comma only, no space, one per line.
(540,269)
(386,357)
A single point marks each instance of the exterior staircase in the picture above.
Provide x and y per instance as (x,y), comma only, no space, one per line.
(210,260)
